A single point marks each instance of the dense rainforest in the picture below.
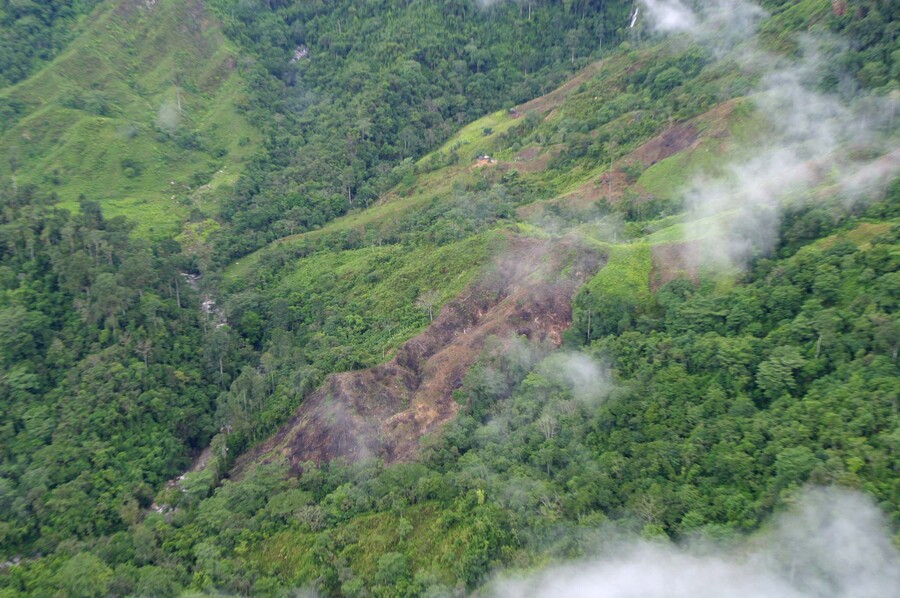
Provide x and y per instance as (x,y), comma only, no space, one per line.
(406,297)
(104,389)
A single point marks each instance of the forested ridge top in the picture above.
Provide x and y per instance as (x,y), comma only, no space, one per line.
(730,173)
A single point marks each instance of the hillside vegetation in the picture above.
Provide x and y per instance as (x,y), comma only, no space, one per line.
(34,33)
(139,113)
(479,287)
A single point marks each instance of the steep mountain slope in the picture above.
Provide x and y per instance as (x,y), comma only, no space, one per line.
(451,196)
(455,194)
(139,113)
(612,163)
(32,33)
(656,302)
(347,92)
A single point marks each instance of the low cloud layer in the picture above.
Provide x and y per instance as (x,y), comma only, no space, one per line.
(831,544)
(814,139)
(718,24)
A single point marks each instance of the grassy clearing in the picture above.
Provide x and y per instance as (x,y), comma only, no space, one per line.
(723,132)
(421,532)
(692,230)
(626,275)
(378,288)
(290,554)
(472,140)
(861,236)
(388,278)
(668,177)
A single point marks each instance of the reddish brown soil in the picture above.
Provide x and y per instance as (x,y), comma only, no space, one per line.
(384,411)
(674,260)
(528,154)
(611,185)
(671,141)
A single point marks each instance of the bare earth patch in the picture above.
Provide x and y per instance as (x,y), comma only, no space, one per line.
(533,159)
(383,411)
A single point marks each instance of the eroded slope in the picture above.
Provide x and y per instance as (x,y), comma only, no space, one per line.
(383,411)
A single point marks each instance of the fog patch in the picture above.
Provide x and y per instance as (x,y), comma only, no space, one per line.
(589,380)
(719,24)
(832,543)
(169,117)
(816,143)
(668,16)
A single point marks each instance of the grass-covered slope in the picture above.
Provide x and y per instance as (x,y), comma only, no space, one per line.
(138,113)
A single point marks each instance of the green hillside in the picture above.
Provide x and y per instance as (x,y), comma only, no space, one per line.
(138,113)
(33,33)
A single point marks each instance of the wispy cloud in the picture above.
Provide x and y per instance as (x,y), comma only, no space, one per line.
(589,380)
(813,138)
(831,544)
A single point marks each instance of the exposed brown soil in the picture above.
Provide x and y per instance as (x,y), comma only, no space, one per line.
(529,153)
(533,159)
(671,141)
(716,122)
(611,184)
(674,260)
(383,411)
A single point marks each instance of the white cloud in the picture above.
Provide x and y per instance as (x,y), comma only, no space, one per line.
(832,544)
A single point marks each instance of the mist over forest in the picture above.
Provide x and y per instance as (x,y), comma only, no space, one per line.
(492,298)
